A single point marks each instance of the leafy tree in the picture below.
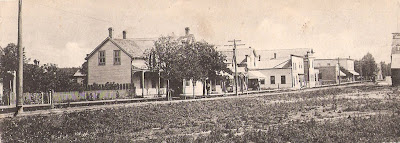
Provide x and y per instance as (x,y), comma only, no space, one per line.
(9,61)
(84,70)
(178,61)
(369,66)
(357,66)
(36,78)
(33,78)
(385,69)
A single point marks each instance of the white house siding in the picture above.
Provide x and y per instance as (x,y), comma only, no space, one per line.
(277,73)
(101,74)
(297,72)
(150,89)
(188,88)
(312,76)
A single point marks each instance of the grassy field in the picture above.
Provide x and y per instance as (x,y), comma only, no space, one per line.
(357,114)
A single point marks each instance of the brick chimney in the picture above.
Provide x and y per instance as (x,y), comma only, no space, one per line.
(110,32)
(124,34)
(187,29)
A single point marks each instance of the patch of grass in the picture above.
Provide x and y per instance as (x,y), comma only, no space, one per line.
(229,120)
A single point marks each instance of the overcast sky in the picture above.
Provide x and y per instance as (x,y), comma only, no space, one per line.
(64,31)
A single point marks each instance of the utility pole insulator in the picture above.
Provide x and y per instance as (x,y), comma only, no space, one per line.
(235,63)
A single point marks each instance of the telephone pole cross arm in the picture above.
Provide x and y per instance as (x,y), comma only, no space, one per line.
(235,62)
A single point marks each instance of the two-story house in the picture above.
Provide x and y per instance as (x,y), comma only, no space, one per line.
(287,68)
(282,72)
(123,61)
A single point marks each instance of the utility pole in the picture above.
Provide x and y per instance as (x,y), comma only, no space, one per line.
(20,63)
(338,62)
(235,63)
(361,72)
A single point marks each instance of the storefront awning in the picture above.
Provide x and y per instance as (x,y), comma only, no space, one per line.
(342,73)
(226,74)
(354,72)
(255,75)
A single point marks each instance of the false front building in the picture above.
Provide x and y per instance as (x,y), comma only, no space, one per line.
(395,58)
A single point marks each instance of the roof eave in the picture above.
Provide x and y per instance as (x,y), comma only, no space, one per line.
(102,43)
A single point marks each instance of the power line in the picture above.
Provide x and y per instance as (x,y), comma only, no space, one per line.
(74,13)
(235,62)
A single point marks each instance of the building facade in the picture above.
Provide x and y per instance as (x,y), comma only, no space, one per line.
(346,66)
(395,59)
(122,61)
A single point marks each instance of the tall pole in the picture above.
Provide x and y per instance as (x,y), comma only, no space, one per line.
(21,62)
(361,72)
(235,63)
(339,68)
(236,75)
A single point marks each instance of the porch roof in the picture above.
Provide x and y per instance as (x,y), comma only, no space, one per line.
(342,73)
(256,75)
(353,72)
(139,65)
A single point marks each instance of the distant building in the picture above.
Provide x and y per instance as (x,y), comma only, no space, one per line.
(344,68)
(271,69)
(379,75)
(395,59)
(246,59)
(287,68)
(283,72)
(79,77)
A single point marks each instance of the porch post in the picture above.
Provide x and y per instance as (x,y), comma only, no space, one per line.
(143,83)
(183,86)
(14,89)
(159,84)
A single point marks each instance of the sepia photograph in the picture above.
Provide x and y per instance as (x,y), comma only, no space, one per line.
(202,71)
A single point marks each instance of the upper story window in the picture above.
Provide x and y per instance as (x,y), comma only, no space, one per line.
(272,79)
(283,79)
(102,57)
(117,57)
(294,66)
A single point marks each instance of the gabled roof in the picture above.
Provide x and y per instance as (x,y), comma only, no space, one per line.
(281,53)
(334,59)
(134,48)
(274,63)
(78,73)
(186,38)
(240,54)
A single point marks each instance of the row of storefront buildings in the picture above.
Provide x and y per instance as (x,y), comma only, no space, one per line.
(122,60)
